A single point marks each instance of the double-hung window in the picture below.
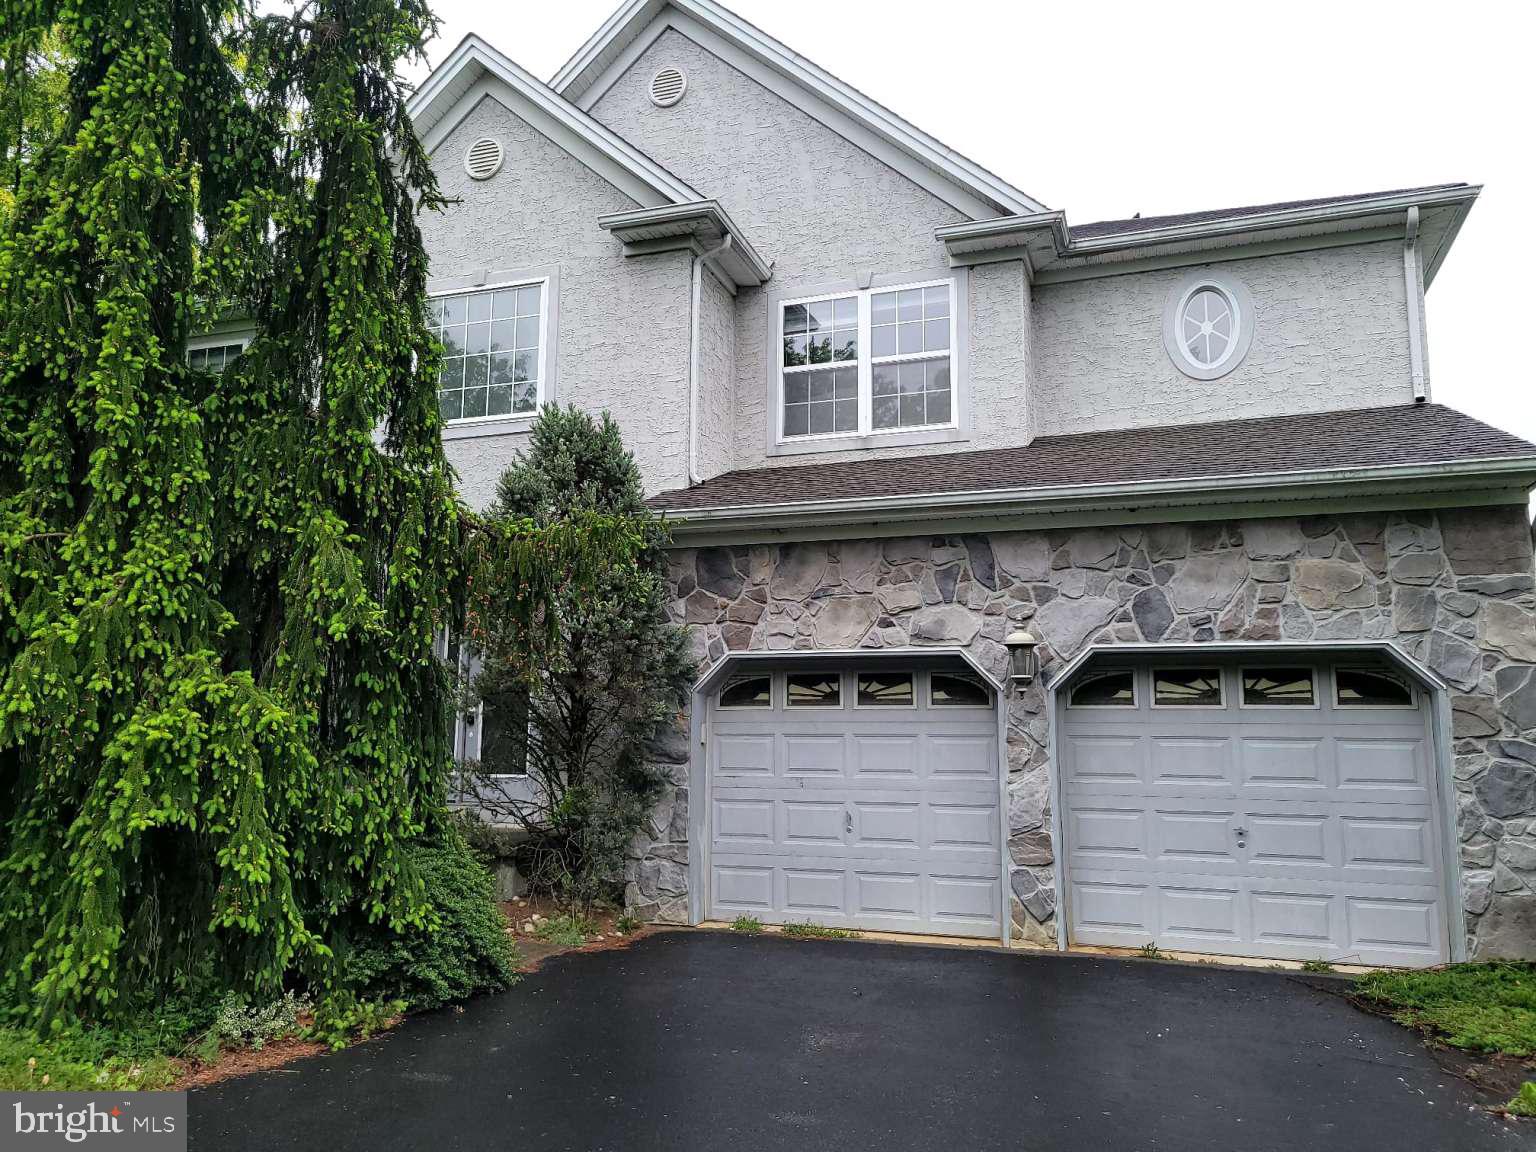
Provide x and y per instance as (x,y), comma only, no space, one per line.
(494,340)
(881,360)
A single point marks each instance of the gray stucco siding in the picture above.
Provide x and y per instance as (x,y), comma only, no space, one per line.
(624,326)
(1330,332)
(717,379)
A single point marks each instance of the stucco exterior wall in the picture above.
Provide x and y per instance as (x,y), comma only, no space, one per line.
(825,212)
(1331,333)
(717,378)
(623,325)
(1452,589)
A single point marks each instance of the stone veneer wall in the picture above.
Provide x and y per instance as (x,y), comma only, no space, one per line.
(1453,589)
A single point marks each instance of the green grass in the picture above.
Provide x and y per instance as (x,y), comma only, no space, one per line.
(1480,1007)
(1150,952)
(97,1059)
(626,924)
(812,931)
(566,931)
(1318,965)
(748,924)
(1524,1102)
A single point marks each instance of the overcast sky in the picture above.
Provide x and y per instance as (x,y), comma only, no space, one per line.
(1107,109)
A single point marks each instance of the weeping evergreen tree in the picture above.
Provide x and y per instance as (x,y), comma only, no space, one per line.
(221,719)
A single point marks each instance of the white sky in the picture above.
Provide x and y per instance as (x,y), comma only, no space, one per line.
(1106,109)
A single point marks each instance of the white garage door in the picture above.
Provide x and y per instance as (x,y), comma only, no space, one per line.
(857,798)
(1258,810)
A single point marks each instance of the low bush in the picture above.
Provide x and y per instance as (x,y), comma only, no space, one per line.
(568,930)
(464,951)
(135,1054)
(1524,1103)
(751,925)
(1481,1007)
(256,1025)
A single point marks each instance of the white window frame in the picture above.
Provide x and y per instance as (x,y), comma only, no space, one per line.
(909,673)
(1406,681)
(543,394)
(1136,692)
(1221,681)
(207,340)
(736,679)
(866,435)
(1311,670)
(1239,301)
(967,674)
(842,692)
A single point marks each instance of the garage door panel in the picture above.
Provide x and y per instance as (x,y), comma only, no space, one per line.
(1269,761)
(886,758)
(888,894)
(1198,915)
(1099,833)
(1182,837)
(746,755)
(813,890)
(1295,919)
(1379,923)
(968,901)
(1385,764)
(886,824)
(744,821)
(873,818)
(813,822)
(1186,761)
(1312,833)
(815,755)
(1105,759)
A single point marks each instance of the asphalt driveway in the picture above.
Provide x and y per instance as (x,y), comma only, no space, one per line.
(694,1041)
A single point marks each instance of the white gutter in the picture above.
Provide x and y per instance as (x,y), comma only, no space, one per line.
(693,357)
(1413,296)
(1509,470)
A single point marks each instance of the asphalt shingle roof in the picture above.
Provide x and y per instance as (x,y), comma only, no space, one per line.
(1320,441)
(1145,223)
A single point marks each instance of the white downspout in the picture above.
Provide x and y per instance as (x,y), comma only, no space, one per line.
(1414,297)
(693,357)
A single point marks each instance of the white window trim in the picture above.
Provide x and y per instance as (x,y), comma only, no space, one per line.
(842,693)
(966,674)
(1136,692)
(740,676)
(958,428)
(516,423)
(1221,680)
(1405,681)
(1242,691)
(910,674)
(1238,299)
(206,340)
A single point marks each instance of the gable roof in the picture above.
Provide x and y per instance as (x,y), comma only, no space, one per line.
(844,109)
(440,103)
(1435,447)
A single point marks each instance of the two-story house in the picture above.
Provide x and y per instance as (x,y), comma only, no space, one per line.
(1106,583)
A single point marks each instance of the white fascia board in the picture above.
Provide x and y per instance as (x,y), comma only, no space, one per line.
(444,98)
(1505,473)
(598,64)
(970,241)
(706,222)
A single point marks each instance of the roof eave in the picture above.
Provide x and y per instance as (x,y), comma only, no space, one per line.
(435,98)
(704,225)
(1514,474)
(965,242)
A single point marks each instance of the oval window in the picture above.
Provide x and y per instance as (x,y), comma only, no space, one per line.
(1209,326)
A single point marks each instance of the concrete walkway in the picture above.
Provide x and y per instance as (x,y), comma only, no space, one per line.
(695,1041)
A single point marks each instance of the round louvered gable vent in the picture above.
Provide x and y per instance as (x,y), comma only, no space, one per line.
(483,160)
(668,86)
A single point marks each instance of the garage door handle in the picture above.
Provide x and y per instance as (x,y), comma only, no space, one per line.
(848,822)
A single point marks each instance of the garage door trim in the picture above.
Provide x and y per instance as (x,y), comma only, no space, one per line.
(1436,689)
(700,800)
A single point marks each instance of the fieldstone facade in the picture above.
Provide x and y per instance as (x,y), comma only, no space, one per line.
(1453,589)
